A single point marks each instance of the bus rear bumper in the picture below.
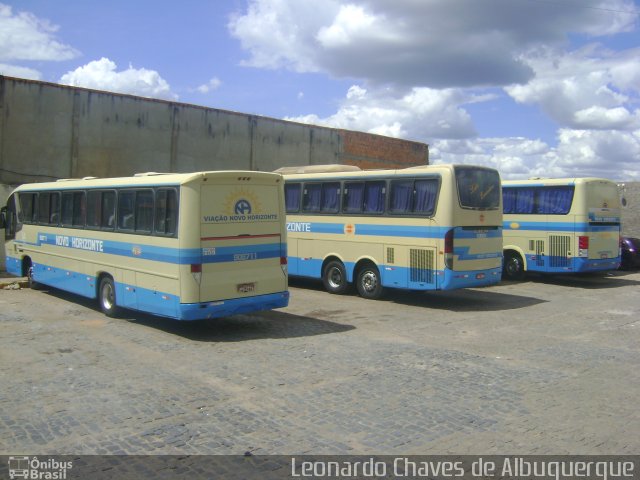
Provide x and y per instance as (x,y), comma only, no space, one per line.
(235,306)
(469,279)
(571,265)
(595,265)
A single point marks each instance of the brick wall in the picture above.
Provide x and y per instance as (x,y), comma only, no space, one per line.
(376,151)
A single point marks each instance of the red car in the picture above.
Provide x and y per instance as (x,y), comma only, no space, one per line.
(630,248)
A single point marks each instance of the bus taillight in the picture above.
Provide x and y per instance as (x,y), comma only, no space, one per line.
(283,260)
(583,246)
(196,271)
(448,249)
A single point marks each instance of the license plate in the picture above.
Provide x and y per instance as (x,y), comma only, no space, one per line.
(246,287)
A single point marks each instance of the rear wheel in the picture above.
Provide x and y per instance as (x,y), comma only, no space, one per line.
(369,283)
(334,277)
(513,268)
(107,297)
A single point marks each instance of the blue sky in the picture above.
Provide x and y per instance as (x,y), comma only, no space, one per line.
(532,87)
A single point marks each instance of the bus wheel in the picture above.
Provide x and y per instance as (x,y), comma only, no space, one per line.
(107,297)
(33,285)
(334,277)
(369,283)
(513,268)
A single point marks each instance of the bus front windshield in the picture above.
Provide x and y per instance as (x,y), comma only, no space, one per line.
(478,188)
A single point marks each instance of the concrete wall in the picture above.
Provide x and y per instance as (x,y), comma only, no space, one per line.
(50,131)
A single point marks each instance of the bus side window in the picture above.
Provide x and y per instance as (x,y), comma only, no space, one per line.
(94,208)
(292,197)
(374,197)
(108,209)
(54,209)
(353,197)
(330,202)
(10,219)
(44,199)
(74,209)
(27,211)
(144,211)
(401,193)
(311,198)
(126,205)
(166,214)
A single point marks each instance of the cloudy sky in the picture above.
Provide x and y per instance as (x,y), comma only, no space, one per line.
(533,87)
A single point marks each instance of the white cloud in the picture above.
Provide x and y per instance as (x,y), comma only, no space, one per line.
(580,153)
(20,72)
(102,75)
(418,114)
(23,36)
(418,44)
(591,88)
(211,85)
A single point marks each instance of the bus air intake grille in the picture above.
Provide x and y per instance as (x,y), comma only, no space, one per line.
(391,255)
(559,248)
(539,253)
(421,265)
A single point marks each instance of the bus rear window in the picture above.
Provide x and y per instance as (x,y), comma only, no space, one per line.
(478,188)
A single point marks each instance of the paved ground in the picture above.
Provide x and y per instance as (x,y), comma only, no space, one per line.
(547,366)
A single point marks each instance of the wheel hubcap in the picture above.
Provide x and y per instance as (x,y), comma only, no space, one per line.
(369,281)
(107,296)
(335,278)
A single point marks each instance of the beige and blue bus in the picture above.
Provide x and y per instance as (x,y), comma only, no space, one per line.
(421,228)
(185,246)
(566,225)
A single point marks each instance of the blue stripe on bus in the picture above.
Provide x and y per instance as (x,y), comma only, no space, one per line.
(157,303)
(411,231)
(559,226)
(13,266)
(401,231)
(184,256)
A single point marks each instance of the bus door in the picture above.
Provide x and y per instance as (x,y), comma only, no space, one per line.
(243,252)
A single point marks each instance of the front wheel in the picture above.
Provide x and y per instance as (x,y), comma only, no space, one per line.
(334,278)
(33,285)
(107,297)
(513,268)
(369,283)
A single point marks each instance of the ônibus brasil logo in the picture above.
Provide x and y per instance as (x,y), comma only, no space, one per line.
(36,469)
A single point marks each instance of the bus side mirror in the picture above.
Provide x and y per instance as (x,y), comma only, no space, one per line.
(3,217)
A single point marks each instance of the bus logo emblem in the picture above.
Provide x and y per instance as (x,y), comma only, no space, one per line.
(243,207)
(349,229)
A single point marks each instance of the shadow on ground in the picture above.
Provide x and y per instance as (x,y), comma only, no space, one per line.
(237,328)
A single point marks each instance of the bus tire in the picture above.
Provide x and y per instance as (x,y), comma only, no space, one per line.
(334,278)
(369,283)
(513,268)
(33,285)
(107,297)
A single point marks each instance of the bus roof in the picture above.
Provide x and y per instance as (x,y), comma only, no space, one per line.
(554,181)
(142,179)
(355,173)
